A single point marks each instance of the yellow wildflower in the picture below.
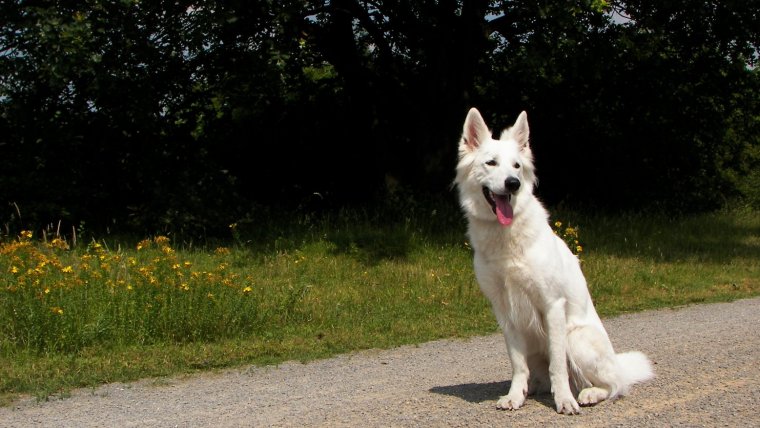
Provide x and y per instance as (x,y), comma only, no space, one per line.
(59,244)
(145,243)
(247,289)
(56,310)
(67,269)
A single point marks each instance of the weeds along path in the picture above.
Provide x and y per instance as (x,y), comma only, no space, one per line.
(706,360)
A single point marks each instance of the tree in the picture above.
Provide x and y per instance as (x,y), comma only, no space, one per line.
(189,114)
(99,106)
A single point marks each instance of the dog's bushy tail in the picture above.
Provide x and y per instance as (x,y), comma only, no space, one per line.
(634,368)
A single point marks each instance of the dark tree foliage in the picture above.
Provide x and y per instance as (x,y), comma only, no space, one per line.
(188,115)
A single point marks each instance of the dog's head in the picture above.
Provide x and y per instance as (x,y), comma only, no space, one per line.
(492,175)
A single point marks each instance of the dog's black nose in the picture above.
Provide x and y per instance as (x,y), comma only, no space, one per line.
(512,184)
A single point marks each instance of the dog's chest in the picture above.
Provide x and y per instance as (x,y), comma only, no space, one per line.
(513,292)
(507,275)
(503,257)
(515,276)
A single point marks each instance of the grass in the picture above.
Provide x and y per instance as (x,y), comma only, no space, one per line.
(642,261)
(312,288)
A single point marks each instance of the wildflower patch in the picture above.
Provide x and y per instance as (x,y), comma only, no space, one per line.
(55,299)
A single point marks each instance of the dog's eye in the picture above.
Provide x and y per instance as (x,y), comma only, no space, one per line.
(492,162)
(516,165)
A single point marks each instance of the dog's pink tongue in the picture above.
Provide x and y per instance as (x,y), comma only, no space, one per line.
(503,210)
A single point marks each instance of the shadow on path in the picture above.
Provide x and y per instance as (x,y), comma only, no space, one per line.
(474,392)
(482,392)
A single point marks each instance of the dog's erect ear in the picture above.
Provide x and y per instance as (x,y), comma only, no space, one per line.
(475,129)
(520,131)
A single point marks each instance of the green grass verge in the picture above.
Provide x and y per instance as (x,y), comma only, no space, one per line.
(311,288)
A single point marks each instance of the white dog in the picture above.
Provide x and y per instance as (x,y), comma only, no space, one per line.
(534,282)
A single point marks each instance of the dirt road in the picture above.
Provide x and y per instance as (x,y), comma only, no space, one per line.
(707,363)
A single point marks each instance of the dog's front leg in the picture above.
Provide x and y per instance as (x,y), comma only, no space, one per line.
(556,329)
(518,358)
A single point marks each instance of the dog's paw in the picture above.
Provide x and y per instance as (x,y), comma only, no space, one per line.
(510,402)
(567,405)
(591,396)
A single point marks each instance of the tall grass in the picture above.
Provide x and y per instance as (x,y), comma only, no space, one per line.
(312,287)
(652,260)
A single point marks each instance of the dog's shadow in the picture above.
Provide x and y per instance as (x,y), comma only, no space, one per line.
(474,392)
(482,392)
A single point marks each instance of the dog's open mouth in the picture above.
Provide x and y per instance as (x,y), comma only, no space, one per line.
(501,206)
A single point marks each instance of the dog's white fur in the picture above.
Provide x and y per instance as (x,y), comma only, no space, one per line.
(555,339)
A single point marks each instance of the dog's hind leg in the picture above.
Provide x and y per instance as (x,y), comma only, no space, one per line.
(594,365)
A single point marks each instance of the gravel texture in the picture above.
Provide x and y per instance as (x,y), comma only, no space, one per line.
(707,362)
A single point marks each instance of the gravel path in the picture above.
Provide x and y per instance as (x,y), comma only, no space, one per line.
(707,363)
